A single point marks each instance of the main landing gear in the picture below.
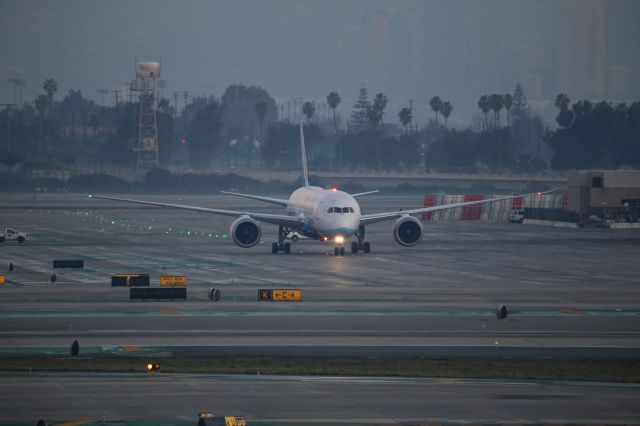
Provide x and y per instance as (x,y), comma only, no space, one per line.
(281,246)
(361,245)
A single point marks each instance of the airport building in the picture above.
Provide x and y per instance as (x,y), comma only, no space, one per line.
(603,189)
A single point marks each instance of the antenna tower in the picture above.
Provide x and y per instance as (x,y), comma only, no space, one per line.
(144,86)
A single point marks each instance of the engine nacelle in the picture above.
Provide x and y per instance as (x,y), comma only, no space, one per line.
(407,231)
(245,232)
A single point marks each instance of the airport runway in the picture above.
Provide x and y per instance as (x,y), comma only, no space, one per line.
(315,400)
(570,292)
(565,288)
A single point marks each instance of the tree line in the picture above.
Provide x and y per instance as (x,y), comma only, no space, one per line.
(244,128)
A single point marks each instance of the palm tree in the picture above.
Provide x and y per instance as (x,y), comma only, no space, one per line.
(436,106)
(261,108)
(562,101)
(508,102)
(379,104)
(308,109)
(42,104)
(333,99)
(405,119)
(51,87)
(483,104)
(496,103)
(447,109)
(565,116)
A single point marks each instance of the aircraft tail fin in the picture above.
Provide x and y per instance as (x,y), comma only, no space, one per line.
(305,177)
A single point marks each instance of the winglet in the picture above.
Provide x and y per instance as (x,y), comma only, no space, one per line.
(305,177)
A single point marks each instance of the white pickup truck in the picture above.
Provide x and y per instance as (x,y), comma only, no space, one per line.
(13,235)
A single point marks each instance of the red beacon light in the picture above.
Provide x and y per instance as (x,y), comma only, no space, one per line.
(334,189)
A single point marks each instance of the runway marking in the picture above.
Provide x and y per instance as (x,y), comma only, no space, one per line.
(551,312)
(77,423)
(132,348)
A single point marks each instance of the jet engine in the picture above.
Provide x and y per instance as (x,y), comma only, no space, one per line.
(245,232)
(407,231)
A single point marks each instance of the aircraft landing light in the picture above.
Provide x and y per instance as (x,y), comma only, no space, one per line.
(339,239)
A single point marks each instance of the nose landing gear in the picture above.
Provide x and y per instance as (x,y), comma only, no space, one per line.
(338,251)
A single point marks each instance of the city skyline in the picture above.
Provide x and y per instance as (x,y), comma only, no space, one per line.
(409,50)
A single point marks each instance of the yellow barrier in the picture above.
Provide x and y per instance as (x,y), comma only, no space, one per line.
(280,295)
(2,279)
(173,281)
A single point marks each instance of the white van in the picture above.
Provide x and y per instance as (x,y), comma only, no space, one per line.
(516,216)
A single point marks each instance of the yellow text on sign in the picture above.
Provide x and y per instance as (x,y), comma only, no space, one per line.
(173,281)
(287,295)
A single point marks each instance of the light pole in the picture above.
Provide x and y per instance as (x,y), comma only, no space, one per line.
(8,110)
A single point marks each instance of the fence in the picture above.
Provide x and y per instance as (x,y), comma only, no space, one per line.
(490,212)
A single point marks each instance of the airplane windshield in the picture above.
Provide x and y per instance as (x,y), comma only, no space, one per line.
(340,210)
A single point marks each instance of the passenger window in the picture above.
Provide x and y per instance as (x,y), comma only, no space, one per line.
(330,210)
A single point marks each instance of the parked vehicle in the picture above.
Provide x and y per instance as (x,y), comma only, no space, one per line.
(11,234)
(516,216)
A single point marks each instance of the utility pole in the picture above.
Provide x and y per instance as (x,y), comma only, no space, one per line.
(162,84)
(175,104)
(185,95)
(8,109)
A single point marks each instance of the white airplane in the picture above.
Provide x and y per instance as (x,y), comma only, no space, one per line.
(320,214)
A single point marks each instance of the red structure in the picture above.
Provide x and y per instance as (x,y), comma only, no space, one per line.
(472,212)
(517,204)
(565,201)
(429,201)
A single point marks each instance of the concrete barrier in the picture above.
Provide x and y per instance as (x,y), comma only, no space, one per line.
(68,264)
(158,293)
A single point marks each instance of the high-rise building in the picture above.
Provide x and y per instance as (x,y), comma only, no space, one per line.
(581,49)
(371,58)
(460,49)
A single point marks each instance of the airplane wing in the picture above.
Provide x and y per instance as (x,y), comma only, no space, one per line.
(276,219)
(277,201)
(360,194)
(367,219)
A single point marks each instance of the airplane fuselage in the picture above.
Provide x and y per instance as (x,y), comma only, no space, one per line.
(327,213)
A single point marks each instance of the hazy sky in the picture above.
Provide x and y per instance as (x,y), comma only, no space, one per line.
(305,49)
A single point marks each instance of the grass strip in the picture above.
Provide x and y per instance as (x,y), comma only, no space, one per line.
(625,371)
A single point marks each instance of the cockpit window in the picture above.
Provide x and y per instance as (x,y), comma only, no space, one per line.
(340,210)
